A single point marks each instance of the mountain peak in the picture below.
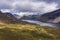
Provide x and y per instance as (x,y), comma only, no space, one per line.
(51,16)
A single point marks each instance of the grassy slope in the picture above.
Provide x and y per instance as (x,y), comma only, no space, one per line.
(26,31)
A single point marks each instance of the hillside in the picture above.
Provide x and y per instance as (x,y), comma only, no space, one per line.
(13,29)
(7,18)
(28,31)
(53,16)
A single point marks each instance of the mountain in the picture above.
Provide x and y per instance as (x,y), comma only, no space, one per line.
(30,17)
(53,17)
(7,18)
(25,30)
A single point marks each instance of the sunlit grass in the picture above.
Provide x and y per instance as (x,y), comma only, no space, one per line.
(26,31)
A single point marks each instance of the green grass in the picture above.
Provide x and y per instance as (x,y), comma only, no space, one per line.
(26,31)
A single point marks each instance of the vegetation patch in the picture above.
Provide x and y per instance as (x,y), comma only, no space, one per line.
(28,32)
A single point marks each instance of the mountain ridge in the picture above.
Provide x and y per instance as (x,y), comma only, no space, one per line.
(7,17)
(51,16)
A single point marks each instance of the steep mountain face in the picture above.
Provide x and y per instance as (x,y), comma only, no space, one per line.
(7,18)
(53,17)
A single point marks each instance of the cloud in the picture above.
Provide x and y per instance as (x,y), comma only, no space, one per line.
(27,6)
(5,10)
(50,7)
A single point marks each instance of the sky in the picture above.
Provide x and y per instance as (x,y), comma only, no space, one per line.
(26,7)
